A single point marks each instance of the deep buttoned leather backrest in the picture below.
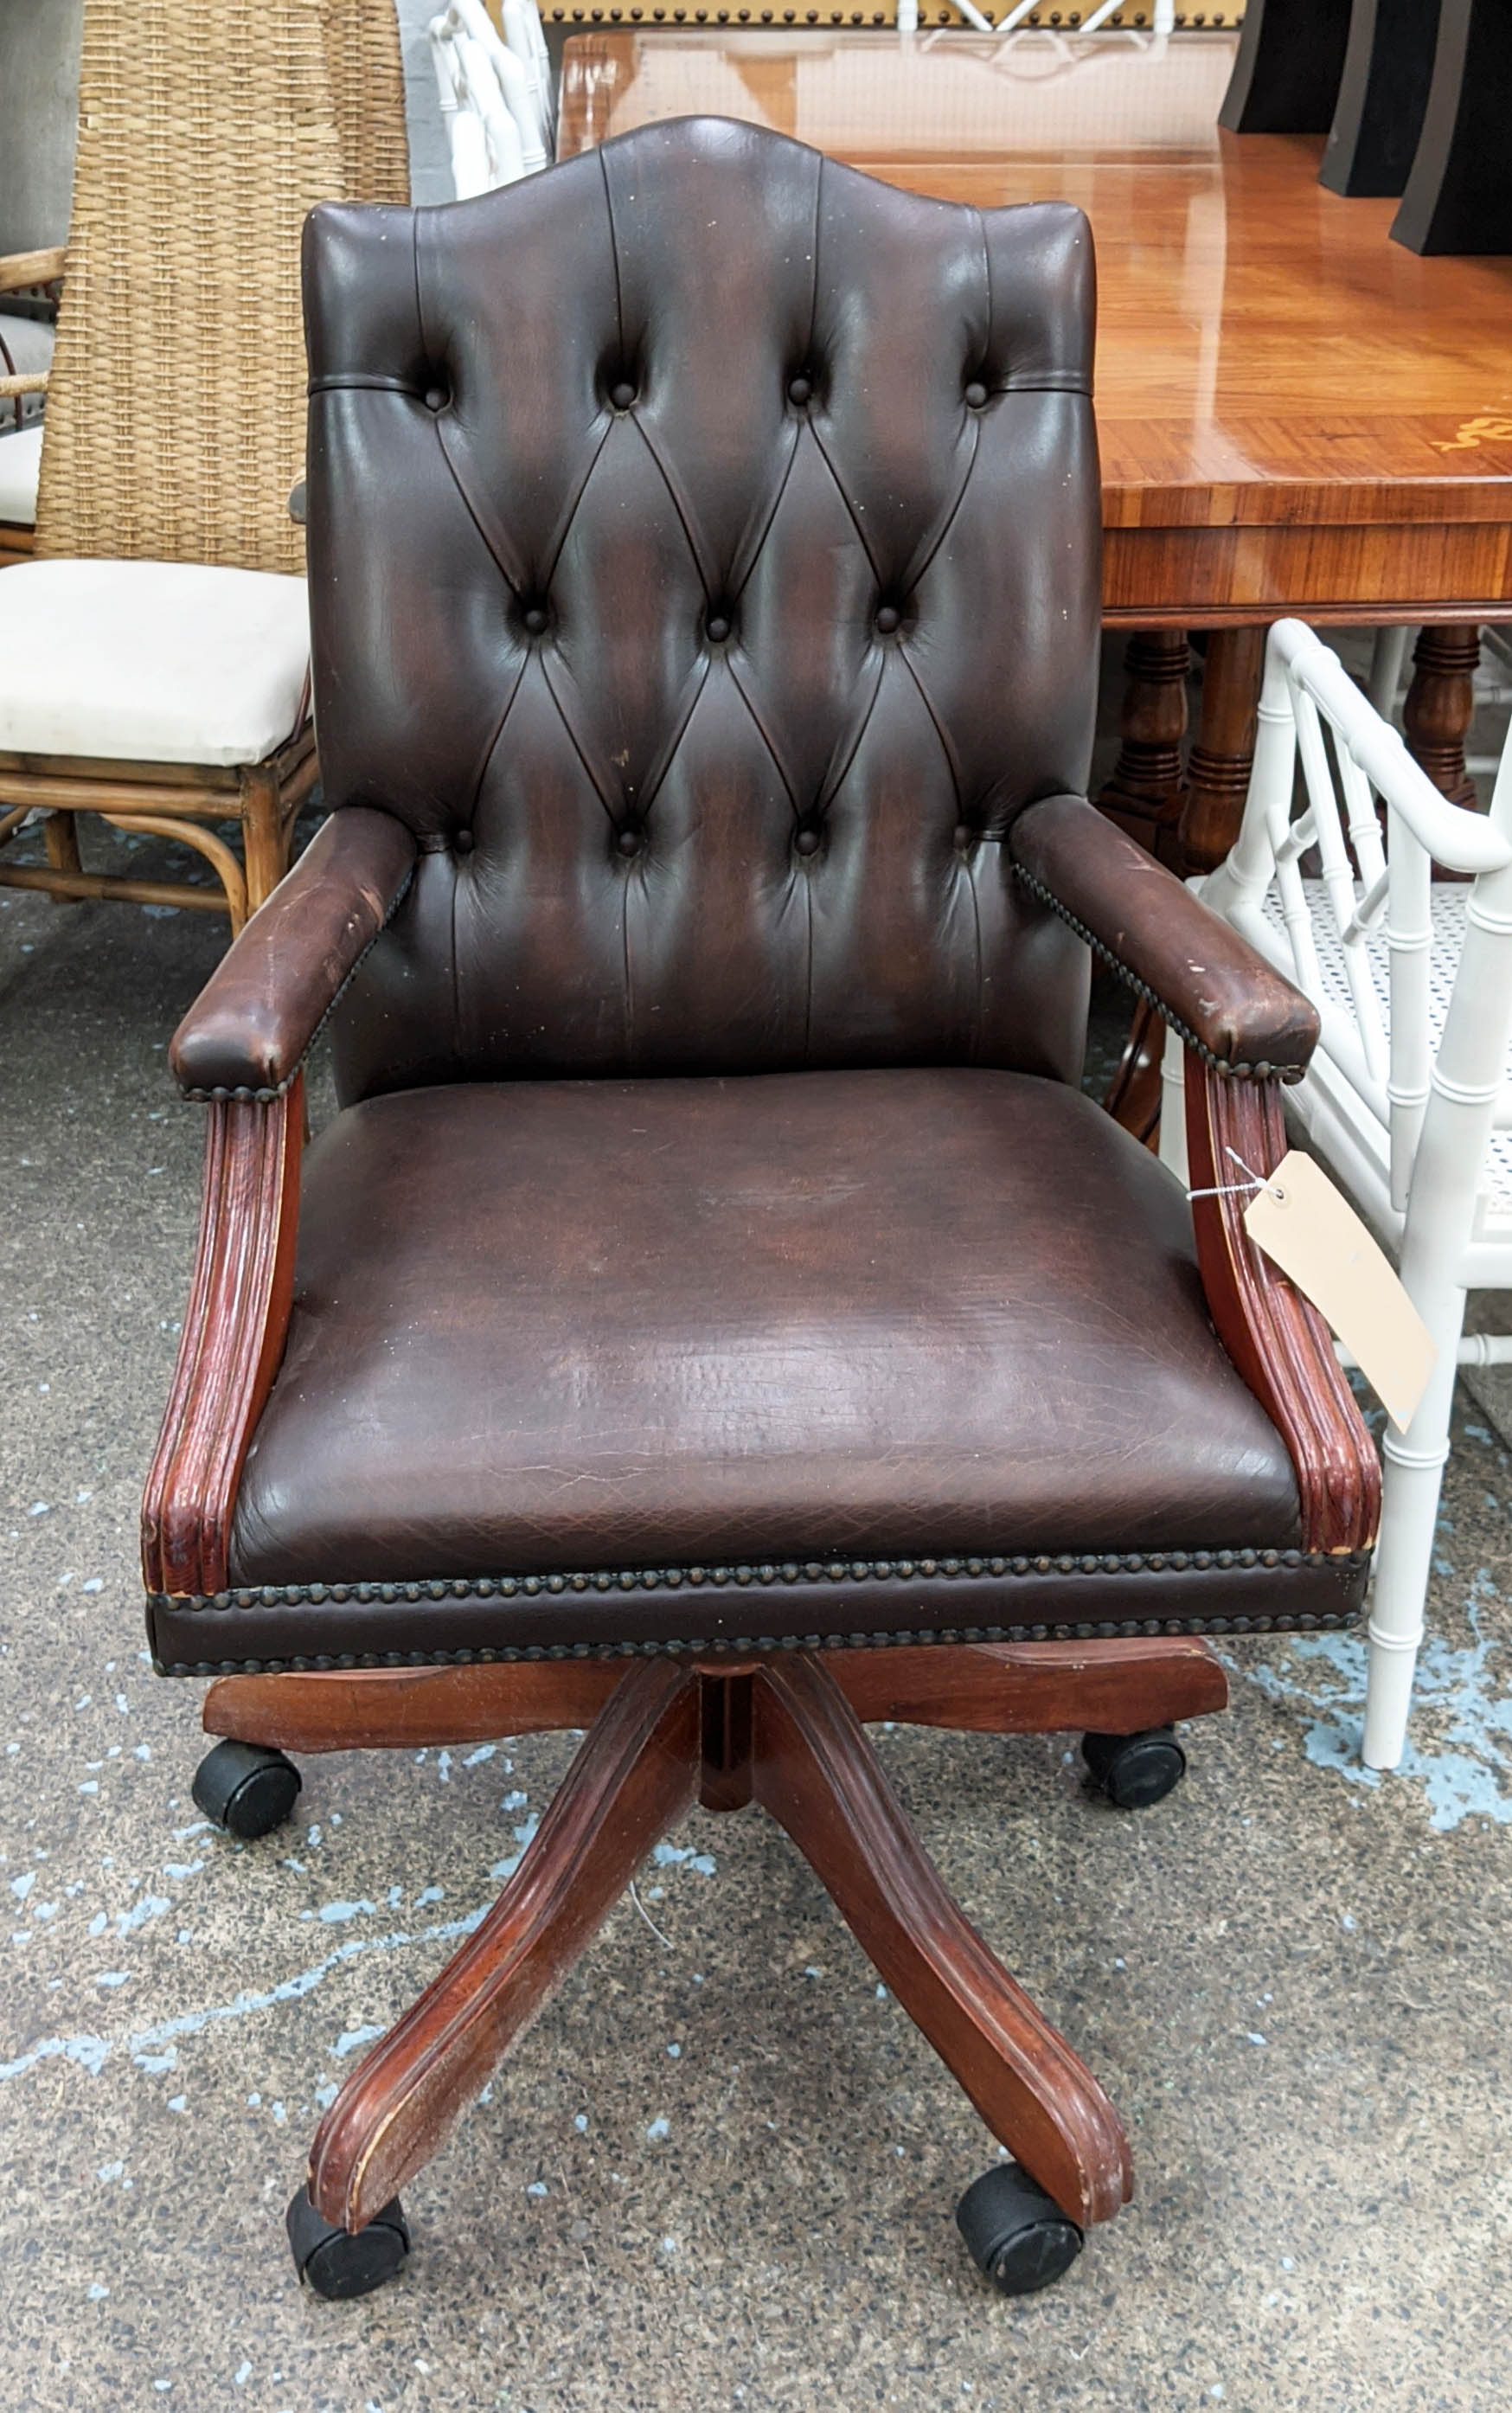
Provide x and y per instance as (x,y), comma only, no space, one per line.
(704,545)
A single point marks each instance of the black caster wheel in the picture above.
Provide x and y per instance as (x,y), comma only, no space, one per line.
(333,2263)
(246,1788)
(1134,1770)
(1018,2235)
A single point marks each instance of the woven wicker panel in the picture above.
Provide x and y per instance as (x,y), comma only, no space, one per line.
(367,84)
(176,409)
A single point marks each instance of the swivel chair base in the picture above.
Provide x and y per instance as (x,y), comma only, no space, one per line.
(784,1731)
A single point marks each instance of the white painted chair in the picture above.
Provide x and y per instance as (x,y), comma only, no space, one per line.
(495,93)
(1407,1101)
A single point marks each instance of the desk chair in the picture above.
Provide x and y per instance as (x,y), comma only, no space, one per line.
(715,1317)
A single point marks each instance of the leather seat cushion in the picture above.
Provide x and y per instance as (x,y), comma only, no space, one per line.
(150,661)
(611,1325)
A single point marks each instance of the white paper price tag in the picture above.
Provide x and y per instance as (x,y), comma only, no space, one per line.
(1313,1235)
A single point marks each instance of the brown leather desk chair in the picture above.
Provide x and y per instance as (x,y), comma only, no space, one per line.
(718,1318)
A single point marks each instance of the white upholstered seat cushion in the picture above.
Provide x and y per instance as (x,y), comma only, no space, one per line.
(150,661)
(21,464)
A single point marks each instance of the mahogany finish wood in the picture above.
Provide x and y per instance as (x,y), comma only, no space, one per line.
(1325,427)
(1145,793)
(233,1338)
(820,1778)
(634,1776)
(784,1731)
(1459,196)
(1291,56)
(1389,67)
(1134,1094)
(394,1708)
(1440,702)
(1277,1340)
(1322,428)
(1218,773)
(975,1688)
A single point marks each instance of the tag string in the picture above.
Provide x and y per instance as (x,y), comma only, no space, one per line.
(1241,1189)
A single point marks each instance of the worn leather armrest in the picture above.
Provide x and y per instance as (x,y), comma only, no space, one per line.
(1210,984)
(247,1033)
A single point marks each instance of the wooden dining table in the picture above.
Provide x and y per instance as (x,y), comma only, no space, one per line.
(1296,415)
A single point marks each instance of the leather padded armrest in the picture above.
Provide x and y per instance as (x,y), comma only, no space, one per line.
(1207,982)
(247,1033)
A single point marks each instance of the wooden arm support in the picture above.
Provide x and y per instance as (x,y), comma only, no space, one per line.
(233,1338)
(20,270)
(1277,1340)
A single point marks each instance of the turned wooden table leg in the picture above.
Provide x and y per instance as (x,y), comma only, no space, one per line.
(1440,704)
(1144,794)
(1218,773)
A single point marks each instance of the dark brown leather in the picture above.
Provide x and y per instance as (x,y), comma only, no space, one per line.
(671,581)
(732,1607)
(1204,977)
(559,1325)
(253,1020)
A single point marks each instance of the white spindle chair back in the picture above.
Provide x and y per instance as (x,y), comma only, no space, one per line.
(1407,1099)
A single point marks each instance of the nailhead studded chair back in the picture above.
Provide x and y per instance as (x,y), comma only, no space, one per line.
(705,566)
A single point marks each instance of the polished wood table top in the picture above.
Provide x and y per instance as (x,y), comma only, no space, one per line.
(1296,414)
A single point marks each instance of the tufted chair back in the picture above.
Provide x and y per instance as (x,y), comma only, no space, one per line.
(704,547)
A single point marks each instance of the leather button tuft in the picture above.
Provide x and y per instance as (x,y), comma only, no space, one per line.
(630,841)
(807,841)
(888,618)
(436,398)
(536,619)
(977,394)
(965,835)
(461,841)
(799,390)
(718,628)
(622,395)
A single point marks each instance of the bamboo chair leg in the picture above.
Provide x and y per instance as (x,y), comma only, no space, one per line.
(815,1771)
(633,1776)
(60,837)
(265,841)
(1412,1480)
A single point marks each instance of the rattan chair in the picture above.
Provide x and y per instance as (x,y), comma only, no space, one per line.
(155,653)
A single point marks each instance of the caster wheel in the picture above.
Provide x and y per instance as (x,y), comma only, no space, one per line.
(1018,2235)
(1134,1770)
(333,2263)
(246,1788)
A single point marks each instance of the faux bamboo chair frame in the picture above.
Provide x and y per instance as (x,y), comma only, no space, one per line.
(1403,1113)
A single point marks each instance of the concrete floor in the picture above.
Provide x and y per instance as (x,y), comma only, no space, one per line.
(722,2169)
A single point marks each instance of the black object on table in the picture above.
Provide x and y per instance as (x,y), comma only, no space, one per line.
(1459,196)
(1389,67)
(1290,62)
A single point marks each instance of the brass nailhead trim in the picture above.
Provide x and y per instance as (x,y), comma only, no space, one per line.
(1344,1565)
(1261,1071)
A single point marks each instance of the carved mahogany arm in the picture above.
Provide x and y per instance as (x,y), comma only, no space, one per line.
(1275,1336)
(241,1046)
(247,1033)
(1208,982)
(234,1331)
